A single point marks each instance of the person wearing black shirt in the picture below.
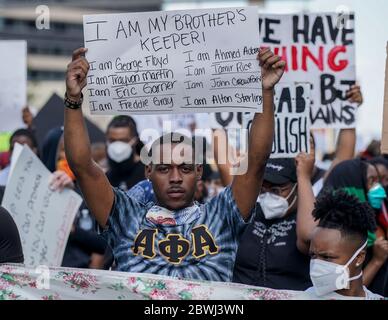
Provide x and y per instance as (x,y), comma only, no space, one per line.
(123,150)
(273,250)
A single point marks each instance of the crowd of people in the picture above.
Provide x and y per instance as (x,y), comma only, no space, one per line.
(283,224)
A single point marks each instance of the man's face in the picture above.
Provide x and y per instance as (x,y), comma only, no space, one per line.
(22,140)
(122,134)
(282,190)
(329,245)
(174,177)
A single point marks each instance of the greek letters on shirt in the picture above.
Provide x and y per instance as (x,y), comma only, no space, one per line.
(174,247)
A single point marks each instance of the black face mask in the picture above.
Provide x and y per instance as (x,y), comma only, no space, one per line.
(123,167)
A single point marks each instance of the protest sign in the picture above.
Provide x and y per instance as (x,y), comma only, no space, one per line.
(318,48)
(44,217)
(292,120)
(13,83)
(384,139)
(173,61)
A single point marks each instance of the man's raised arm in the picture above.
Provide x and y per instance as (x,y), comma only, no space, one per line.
(246,187)
(94,185)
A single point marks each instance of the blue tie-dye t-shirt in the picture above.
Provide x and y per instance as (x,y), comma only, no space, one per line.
(199,242)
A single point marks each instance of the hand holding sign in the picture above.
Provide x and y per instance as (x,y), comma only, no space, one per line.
(60,180)
(188,61)
(76,74)
(354,95)
(44,217)
(272,68)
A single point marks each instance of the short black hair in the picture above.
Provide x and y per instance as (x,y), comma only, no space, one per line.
(27,133)
(179,138)
(337,209)
(123,121)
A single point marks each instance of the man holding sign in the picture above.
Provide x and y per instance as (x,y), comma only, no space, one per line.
(176,237)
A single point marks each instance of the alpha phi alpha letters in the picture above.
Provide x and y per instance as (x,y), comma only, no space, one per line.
(174,248)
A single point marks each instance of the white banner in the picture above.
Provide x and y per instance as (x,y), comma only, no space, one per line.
(173,61)
(44,217)
(19,283)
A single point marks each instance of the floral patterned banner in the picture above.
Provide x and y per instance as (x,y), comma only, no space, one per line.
(19,283)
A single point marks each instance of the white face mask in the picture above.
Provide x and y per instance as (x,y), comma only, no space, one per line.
(274,206)
(328,277)
(119,151)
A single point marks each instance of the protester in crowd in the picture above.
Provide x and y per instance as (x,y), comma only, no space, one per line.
(123,151)
(202,193)
(10,246)
(380,281)
(161,245)
(361,179)
(84,248)
(28,118)
(338,247)
(21,136)
(50,158)
(50,148)
(5,156)
(273,251)
(381,165)
(143,191)
(274,248)
(62,164)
